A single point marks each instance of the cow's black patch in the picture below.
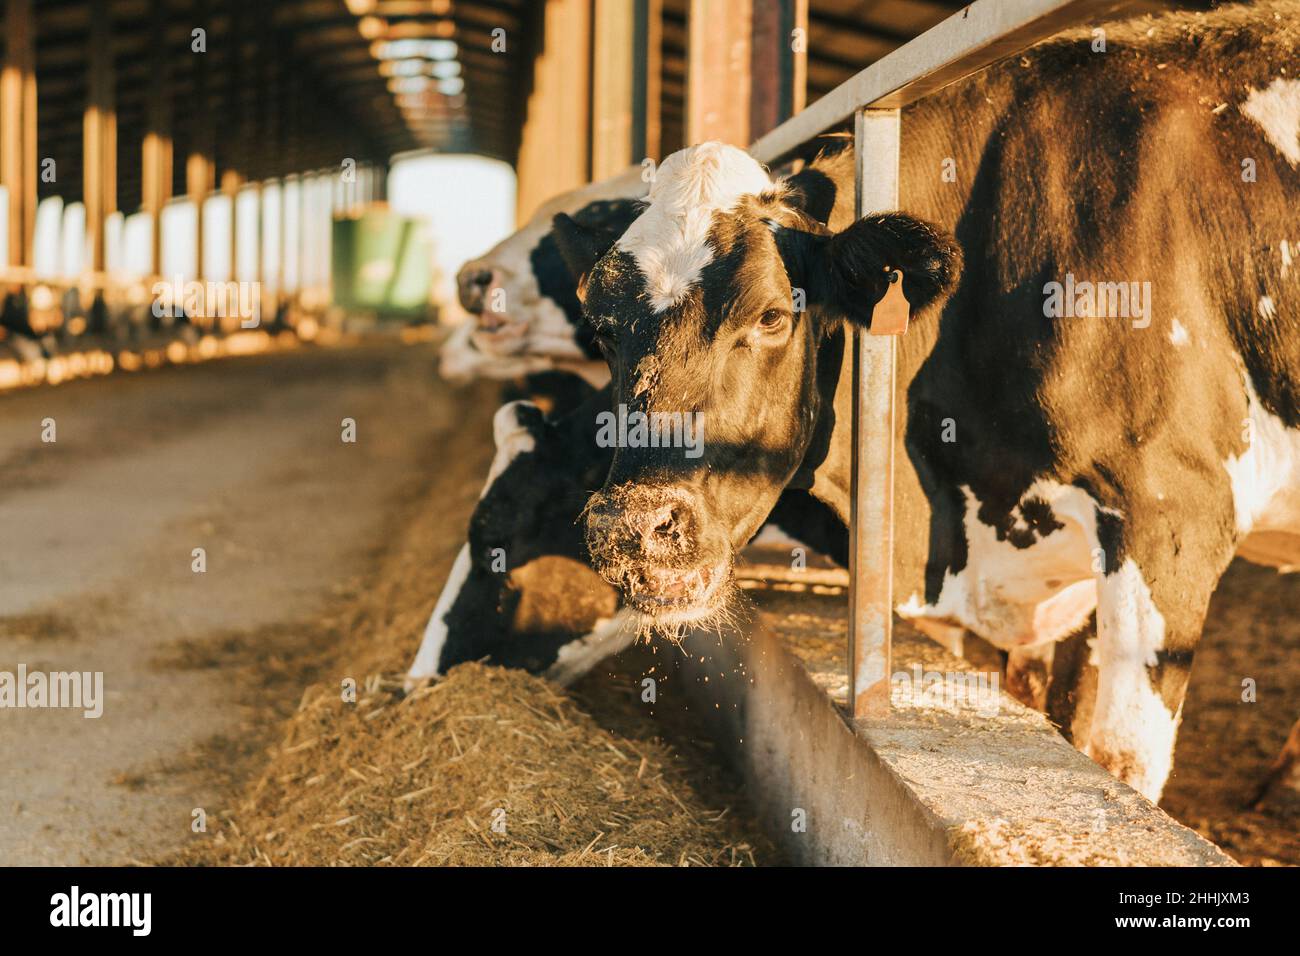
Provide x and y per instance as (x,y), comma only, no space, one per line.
(607,219)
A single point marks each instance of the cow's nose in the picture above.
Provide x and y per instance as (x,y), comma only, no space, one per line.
(474,284)
(661,529)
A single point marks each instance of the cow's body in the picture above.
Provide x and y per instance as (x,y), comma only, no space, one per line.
(1047,467)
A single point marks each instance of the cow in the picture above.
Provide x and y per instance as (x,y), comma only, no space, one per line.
(1055,459)
(521,591)
(525,316)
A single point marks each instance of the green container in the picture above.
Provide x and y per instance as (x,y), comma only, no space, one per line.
(383,263)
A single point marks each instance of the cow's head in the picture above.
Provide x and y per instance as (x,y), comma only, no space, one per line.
(713,306)
(520,296)
(524,590)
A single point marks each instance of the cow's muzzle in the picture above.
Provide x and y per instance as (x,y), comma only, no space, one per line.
(655,543)
(483,294)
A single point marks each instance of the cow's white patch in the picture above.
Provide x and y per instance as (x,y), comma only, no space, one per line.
(609,636)
(1178,333)
(1013,597)
(669,241)
(1267,309)
(429,655)
(1133,731)
(1276,110)
(1266,488)
(512,440)
(1288,256)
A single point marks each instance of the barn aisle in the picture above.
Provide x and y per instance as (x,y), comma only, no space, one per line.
(244,459)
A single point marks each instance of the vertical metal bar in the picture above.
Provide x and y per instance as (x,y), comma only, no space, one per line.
(871,525)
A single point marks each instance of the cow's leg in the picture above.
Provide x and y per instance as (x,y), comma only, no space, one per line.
(1028,672)
(1285,771)
(1072,687)
(1152,595)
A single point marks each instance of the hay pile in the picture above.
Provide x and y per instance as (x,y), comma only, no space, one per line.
(485,767)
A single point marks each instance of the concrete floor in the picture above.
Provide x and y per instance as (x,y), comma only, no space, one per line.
(242,458)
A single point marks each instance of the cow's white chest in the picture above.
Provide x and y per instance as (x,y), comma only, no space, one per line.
(1266,489)
(1013,596)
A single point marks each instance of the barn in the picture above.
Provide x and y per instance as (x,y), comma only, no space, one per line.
(325,329)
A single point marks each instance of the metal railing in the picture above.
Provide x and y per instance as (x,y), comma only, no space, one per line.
(975,37)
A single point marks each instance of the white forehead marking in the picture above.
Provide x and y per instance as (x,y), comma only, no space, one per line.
(1276,109)
(669,241)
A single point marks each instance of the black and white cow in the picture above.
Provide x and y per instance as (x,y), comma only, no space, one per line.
(525,316)
(1048,466)
(521,592)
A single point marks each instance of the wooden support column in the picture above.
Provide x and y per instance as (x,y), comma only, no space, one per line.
(718,71)
(555,146)
(200,170)
(779,71)
(18,127)
(284,112)
(871,521)
(625,84)
(99,133)
(156,159)
(234,149)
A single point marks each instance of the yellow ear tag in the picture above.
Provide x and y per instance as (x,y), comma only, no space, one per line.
(892,312)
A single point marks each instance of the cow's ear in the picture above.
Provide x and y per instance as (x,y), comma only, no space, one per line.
(580,247)
(848,272)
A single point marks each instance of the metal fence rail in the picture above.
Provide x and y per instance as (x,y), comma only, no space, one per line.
(968,41)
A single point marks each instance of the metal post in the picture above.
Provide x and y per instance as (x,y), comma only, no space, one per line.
(871,524)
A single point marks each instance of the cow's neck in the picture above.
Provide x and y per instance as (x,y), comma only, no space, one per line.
(827,468)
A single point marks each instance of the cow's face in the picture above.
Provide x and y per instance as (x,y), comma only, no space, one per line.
(710,310)
(520,296)
(525,591)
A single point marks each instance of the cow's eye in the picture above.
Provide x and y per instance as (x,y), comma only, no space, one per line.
(606,345)
(773,320)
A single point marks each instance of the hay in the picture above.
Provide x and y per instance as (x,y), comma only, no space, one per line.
(486,767)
